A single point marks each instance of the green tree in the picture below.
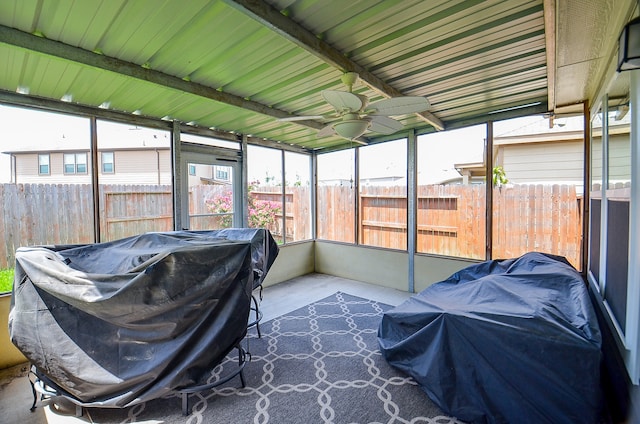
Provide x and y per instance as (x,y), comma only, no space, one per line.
(499,177)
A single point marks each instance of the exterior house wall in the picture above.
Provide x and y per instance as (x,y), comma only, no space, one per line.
(544,162)
(619,154)
(165,167)
(27,171)
(136,167)
(202,171)
(208,172)
(556,161)
(131,167)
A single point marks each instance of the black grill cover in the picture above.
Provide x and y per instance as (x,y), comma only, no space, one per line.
(119,323)
(513,341)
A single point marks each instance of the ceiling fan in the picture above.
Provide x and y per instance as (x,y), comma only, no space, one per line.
(354,115)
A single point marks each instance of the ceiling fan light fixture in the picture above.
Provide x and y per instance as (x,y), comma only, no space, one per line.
(352,128)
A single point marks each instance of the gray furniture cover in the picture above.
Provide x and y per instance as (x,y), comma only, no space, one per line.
(118,323)
(513,341)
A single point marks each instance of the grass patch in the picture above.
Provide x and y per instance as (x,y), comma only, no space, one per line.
(6,280)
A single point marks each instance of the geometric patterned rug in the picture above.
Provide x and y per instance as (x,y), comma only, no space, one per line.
(318,364)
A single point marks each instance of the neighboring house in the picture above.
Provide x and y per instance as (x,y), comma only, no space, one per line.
(473,172)
(142,165)
(200,174)
(391,180)
(537,154)
(126,155)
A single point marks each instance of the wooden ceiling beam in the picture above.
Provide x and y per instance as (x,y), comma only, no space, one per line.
(271,18)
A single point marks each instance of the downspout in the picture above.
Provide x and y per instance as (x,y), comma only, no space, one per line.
(158,165)
(14,171)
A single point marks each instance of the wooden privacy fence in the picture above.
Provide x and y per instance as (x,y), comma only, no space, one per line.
(128,210)
(450,218)
(543,218)
(297,210)
(37,214)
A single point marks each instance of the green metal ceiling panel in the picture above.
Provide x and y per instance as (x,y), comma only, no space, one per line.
(215,64)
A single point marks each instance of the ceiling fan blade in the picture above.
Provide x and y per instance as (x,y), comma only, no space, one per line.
(326,131)
(342,100)
(300,118)
(399,106)
(385,125)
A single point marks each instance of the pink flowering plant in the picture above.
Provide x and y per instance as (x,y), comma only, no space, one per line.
(222,203)
(262,213)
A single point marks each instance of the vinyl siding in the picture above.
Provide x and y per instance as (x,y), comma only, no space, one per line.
(556,162)
(131,167)
(135,167)
(27,171)
(620,159)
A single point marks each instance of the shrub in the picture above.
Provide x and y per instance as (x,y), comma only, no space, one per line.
(6,280)
(262,213)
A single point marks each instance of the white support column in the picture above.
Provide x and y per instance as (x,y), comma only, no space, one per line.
(313,164)
(412,209)
(245,183)
(176,172)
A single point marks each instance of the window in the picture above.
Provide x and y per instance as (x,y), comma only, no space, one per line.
(298,196)
(336,201)
(538,205)
(383,194)
(613,248)
(595,215)
(222,173)
(57,221)
(192,169)
(209,141)
(265,190)
(137,199)
(75,163)
(618,198)
(107,163)
(451,193)
(43,164)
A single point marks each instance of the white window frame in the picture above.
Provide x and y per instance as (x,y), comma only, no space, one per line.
(75,163)
(222,174)
(113,162)
(633,283)
(41,156)
(628,341)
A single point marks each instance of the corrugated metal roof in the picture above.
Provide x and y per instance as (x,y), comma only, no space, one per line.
(224,65)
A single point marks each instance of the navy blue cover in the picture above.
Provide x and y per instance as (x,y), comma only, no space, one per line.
(512,341)
(119,323)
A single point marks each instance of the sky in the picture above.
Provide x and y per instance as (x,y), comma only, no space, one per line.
(23,127)
(436,155)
